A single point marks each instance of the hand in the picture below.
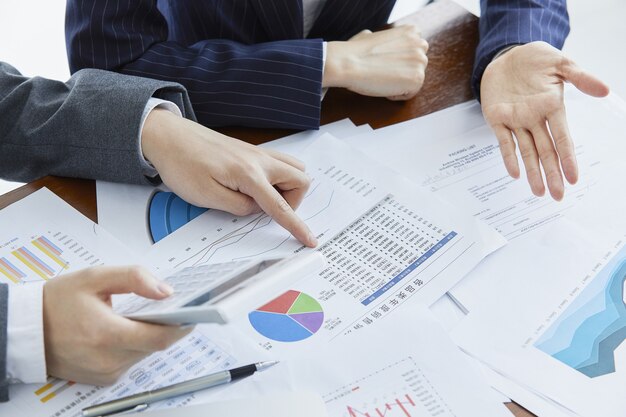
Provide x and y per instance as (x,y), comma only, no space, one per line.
(85,341)
(211,170)
(522,95)
(390,63)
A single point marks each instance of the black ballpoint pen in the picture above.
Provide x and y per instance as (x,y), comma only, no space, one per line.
(139,402)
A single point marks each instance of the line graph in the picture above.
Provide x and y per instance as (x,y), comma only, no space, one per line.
(273,239)
(306,219)
(407,393)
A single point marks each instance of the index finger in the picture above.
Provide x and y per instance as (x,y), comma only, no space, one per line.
(279,209)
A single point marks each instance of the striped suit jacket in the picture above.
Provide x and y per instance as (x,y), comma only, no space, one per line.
(245,62)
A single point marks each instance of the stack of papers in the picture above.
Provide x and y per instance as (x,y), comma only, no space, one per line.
(444,276)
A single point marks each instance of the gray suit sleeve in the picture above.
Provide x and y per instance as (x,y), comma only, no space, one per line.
(87,127)
(4,383)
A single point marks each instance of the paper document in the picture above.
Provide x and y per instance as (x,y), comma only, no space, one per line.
(276,405)
(407,366)
(556,296)
(574,331)
(596,125)
(557,300)
(467,170)
(134,214)
(532,401)
(42,244)
(39,245)
(386,243)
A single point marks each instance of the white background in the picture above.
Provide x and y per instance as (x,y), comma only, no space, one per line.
(32,38)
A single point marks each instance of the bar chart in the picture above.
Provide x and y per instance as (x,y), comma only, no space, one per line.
(41,256)
(53,388)
(399,406)
(407,392)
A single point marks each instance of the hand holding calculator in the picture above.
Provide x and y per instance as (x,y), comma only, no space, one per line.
(216,293)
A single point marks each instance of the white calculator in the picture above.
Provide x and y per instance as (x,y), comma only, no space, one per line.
(217,293)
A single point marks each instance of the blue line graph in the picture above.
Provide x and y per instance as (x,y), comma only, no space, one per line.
(586,336)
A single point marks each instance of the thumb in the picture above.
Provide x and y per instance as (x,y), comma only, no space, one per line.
(135,279)
(584,81)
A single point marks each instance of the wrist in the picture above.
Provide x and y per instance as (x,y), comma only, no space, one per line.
(337,67)
(157,132)
(503,51)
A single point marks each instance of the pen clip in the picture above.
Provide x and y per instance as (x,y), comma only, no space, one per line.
(136,409)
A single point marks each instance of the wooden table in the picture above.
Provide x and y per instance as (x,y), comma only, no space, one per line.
(452,34)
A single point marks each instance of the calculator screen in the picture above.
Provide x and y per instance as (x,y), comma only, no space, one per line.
(222,289)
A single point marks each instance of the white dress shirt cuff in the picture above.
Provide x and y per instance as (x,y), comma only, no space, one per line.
(26,356)
(325,49)
(148,169)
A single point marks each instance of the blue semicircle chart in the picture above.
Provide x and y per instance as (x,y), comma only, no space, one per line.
(167,213)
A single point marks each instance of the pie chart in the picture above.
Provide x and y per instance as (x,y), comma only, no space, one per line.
(292,317)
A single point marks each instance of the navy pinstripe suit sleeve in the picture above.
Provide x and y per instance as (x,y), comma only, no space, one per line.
(511,22)
(273,84)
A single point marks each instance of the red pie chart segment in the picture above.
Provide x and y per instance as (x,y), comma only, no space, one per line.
(282,304)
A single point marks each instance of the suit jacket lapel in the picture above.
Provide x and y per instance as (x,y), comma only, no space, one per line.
(281,19)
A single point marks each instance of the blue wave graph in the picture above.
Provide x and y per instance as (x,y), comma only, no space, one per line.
(167,213)
(589,332)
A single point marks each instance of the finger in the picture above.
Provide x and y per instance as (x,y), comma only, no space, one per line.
(234,202)
(293,186)
(403,97)
(507,149)
(288,159)
(291,182)
(549,161)
(424,45)
(270,200)
(564,145)
(584,81)
(409,28)
(146,337)
(130,279)
(531,161)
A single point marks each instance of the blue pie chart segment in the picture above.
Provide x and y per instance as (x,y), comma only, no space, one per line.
(167,213)
(278,327)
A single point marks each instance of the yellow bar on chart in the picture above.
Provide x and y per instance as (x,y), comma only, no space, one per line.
(30,265)
(8,275)
(44,388)
(48,397)
(51,255)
